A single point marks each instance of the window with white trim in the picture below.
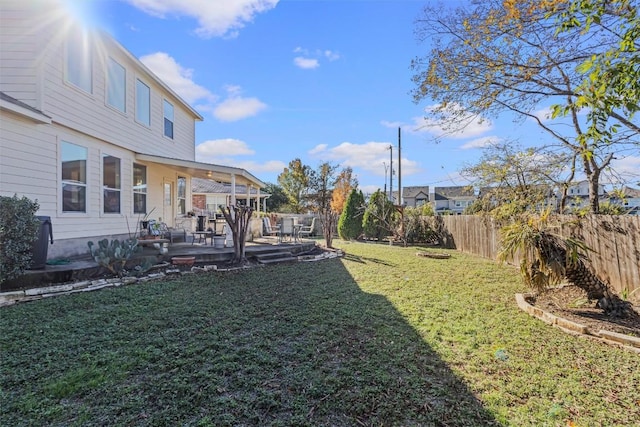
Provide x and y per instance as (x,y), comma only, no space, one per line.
(168,119)
(116,85)
(182,195)
(111,184)
(143,103)
(139,189)
(79,69)
(74,177)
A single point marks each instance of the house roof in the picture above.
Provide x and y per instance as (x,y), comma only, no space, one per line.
(10,103)
(445,193)
(414,191)
(205,170)
(208,186)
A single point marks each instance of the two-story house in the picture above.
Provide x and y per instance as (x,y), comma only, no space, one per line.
(415,196)
(452,199)
(628,198)
(90,132)
(578,195)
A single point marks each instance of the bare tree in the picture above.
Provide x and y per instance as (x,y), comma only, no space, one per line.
(496,57)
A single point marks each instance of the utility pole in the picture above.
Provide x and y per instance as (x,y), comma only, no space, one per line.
(385,176)
(399,170)
(391,173)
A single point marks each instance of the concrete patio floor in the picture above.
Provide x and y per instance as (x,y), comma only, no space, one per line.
(84,267)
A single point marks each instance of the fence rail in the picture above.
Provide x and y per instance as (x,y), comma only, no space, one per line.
(614,239)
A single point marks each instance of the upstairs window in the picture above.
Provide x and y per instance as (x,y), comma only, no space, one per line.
(79,69)
(143,103)
(111,184)
(74,177)
(116,85)
(168,119)
(139,189)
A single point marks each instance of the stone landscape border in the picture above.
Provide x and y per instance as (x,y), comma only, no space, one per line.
(626,341)
(13,297)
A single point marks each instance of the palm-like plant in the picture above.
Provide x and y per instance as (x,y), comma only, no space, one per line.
(548,258)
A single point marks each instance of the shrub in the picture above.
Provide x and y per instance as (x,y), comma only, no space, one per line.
(378,220)
(350,223)
(18,231)
(416,225)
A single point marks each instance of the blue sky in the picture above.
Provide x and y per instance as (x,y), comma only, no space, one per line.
(319,80)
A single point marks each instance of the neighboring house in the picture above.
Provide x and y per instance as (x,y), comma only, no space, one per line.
(209,196)
(627,197)
(578,195)
(544,196)
(90,132)
(451,199)
(415,196)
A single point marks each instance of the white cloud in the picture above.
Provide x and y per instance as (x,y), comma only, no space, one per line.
(223,148)
(318,149)
(215,18)
(306,63)
(331,55)
(485,141)
(309,60)
(628,168)
(269,166)
(370,156)
(236,108)
(226,152)
(454,123)
(391,125)
(544,114)
(178,78)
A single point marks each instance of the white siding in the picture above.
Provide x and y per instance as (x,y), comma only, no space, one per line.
(32,62)
(20,53)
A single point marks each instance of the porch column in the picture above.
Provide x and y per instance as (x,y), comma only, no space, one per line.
(258,201)
(248,187)
(232,201)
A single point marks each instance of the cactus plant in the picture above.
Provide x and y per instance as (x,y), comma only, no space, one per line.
(113,255)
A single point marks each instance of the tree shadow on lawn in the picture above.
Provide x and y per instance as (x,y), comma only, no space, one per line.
(297,344)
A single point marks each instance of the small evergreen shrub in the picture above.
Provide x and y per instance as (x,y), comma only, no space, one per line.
(18,230)
(379,218)
(350,222)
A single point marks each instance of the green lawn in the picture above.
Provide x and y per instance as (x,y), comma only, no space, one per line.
(379,337)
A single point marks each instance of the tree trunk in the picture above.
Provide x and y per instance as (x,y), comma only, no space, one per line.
(578,274)
(329,221)
(594,197)
(238,218)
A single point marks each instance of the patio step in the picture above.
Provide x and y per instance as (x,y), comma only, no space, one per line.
(275,257)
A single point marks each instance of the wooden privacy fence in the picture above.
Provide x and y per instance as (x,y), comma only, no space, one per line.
(614,239)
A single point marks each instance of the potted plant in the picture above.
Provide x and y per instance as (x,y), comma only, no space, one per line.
(144,223)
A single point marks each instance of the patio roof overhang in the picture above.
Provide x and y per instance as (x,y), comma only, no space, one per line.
(205,170)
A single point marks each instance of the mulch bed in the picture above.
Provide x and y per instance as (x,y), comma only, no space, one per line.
(571,303)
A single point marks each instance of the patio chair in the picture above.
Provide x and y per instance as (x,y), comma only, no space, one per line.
(287,228)
(172,233)
(270,230)
(307,230)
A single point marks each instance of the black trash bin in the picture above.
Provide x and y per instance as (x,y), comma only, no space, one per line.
(202,223)
(40,247)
